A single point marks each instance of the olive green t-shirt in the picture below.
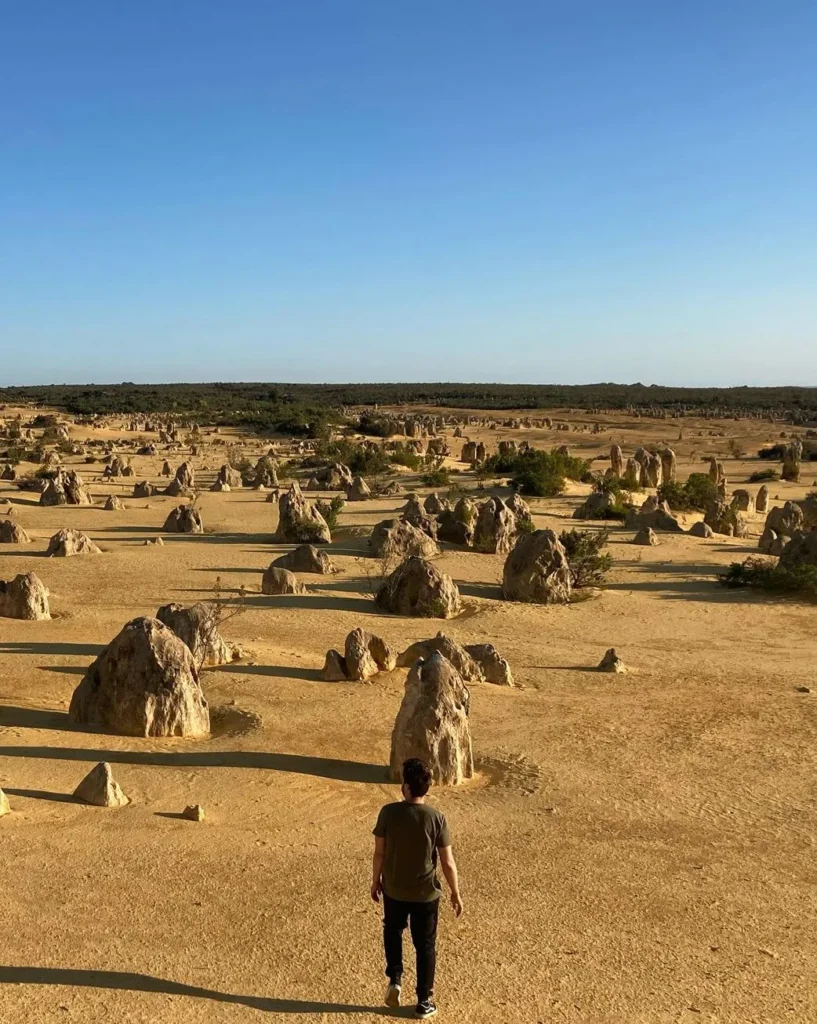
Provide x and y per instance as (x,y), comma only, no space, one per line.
(413,834)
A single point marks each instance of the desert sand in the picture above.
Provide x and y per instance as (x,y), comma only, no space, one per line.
(636,849)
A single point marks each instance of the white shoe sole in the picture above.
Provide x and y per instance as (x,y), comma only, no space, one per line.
(392,997)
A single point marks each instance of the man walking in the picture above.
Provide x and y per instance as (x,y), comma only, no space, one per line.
(408,835)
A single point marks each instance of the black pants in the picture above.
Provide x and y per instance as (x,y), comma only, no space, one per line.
(422,920)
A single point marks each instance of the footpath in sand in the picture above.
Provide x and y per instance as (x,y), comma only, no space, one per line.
(637,849)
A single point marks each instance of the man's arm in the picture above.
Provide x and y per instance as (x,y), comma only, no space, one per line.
(449,867)
(377,866)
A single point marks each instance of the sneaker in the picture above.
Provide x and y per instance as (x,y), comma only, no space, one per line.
(392,997)
(426,1008)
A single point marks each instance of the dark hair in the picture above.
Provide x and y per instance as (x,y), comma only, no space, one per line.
(416,776)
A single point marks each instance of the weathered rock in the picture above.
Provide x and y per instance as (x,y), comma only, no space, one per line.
(266,472)
(464,662)
(183,483)
(726,519)
(653,470)
(299,521)
(276,581)
(496,528)
(762,499)
(394,539)
(71,542)
(100,788)
(418,588)
(520,508)
(454,530)
(656,516)
(801,549)
(144,683)
(336,477)
(701,529)
(646,536)
(432,723)
(494,667)
(791,462)
(633,472)
(144,489)
(743,500)
(65,489)
(306,558)
(24,597)
(358,490)
(230,477)
(537,570)
(413,507)
(9,472)
(334,668)
(4,804)
(469,452)
(617,460)
(434,504)
(668,465)
(193,812)
(13,533)
(197,627)
(595,506)
(219,487)
(184,519)
(113,504)
(611,662)
(786,520)
(167,469)
(366,655)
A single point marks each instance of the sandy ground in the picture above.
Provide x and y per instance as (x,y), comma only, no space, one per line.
(637,849)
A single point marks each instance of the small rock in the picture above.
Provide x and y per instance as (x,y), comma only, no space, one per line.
(100,788)
(803,689)
(611,662)
(4,804)
(193,812)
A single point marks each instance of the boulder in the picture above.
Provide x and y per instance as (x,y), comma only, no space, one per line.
(336,477)
(144,683)
(655,515)
(358,490)
(9,472)
(520,508)
(496,528)
(13,533)
(494,667)
(266,472)
(537,570)
(100,788)
(646,536)
(193,812)
(183,483)
(113,504)
(616,460)
(801,549)
(24,597)
(167,469)
(611,662)
(4,804)
(654,471)
(65,489)
(71,542)
(197,627)
(454,530)
(144,489)
(743,500)
(184,519)
(229,477)
(434,504)
(467,666)
(786,520)
(219,486)
(726,519)
(762,499)
(701,529)
(418,588)
(394,539)
(299,521)
(334,668)
(432,723)
(306,558)
(366,655)
(276,581)
(668,465)
(595,506)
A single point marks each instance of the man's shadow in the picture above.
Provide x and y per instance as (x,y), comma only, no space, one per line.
(131,981)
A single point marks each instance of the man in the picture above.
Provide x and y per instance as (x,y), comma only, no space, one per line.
(408,835)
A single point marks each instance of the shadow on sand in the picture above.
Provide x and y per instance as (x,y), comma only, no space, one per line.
(301,764)
(132,982)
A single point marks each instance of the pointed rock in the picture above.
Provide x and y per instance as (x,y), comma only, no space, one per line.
(100,788)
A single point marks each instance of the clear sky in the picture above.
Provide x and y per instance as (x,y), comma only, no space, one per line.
(342,190)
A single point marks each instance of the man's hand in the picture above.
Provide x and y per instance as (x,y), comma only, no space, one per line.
(377,888)
(456,904)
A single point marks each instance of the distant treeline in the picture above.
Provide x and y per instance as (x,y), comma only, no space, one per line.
(263,403)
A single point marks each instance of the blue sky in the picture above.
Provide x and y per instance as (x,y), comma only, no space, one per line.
(343,190)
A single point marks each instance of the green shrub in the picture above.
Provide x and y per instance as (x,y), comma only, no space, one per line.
(588,567)
(768,575)
(406,457)
(763,474)
(330,510)
(436,478)
(538,473)
(695,495)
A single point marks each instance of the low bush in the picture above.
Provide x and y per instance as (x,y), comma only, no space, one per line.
(588,566)
(439,477)
(330,510)
(694,495)
(763,474)
(768,575)
(538,473)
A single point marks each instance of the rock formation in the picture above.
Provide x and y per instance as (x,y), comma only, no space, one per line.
(299,521)
(358,490)
(537,570)
(494,667)
(144,683)
(495,529)
(701,529)
(654,514)
(184,519)
(668,465)
(24,597)
(183,483)
(100,788)
(646,536)
(611,662)
(726,519)
(65,489)
(143,489)
(306,558)
(762,500)
(277,581)
(394,539)
(432,723)
(71,542)
(113,504)
(617,460)
(13,533)
(366,654)
(800,550)
(418,588)
(197,627)
(468,667)
(743,500)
